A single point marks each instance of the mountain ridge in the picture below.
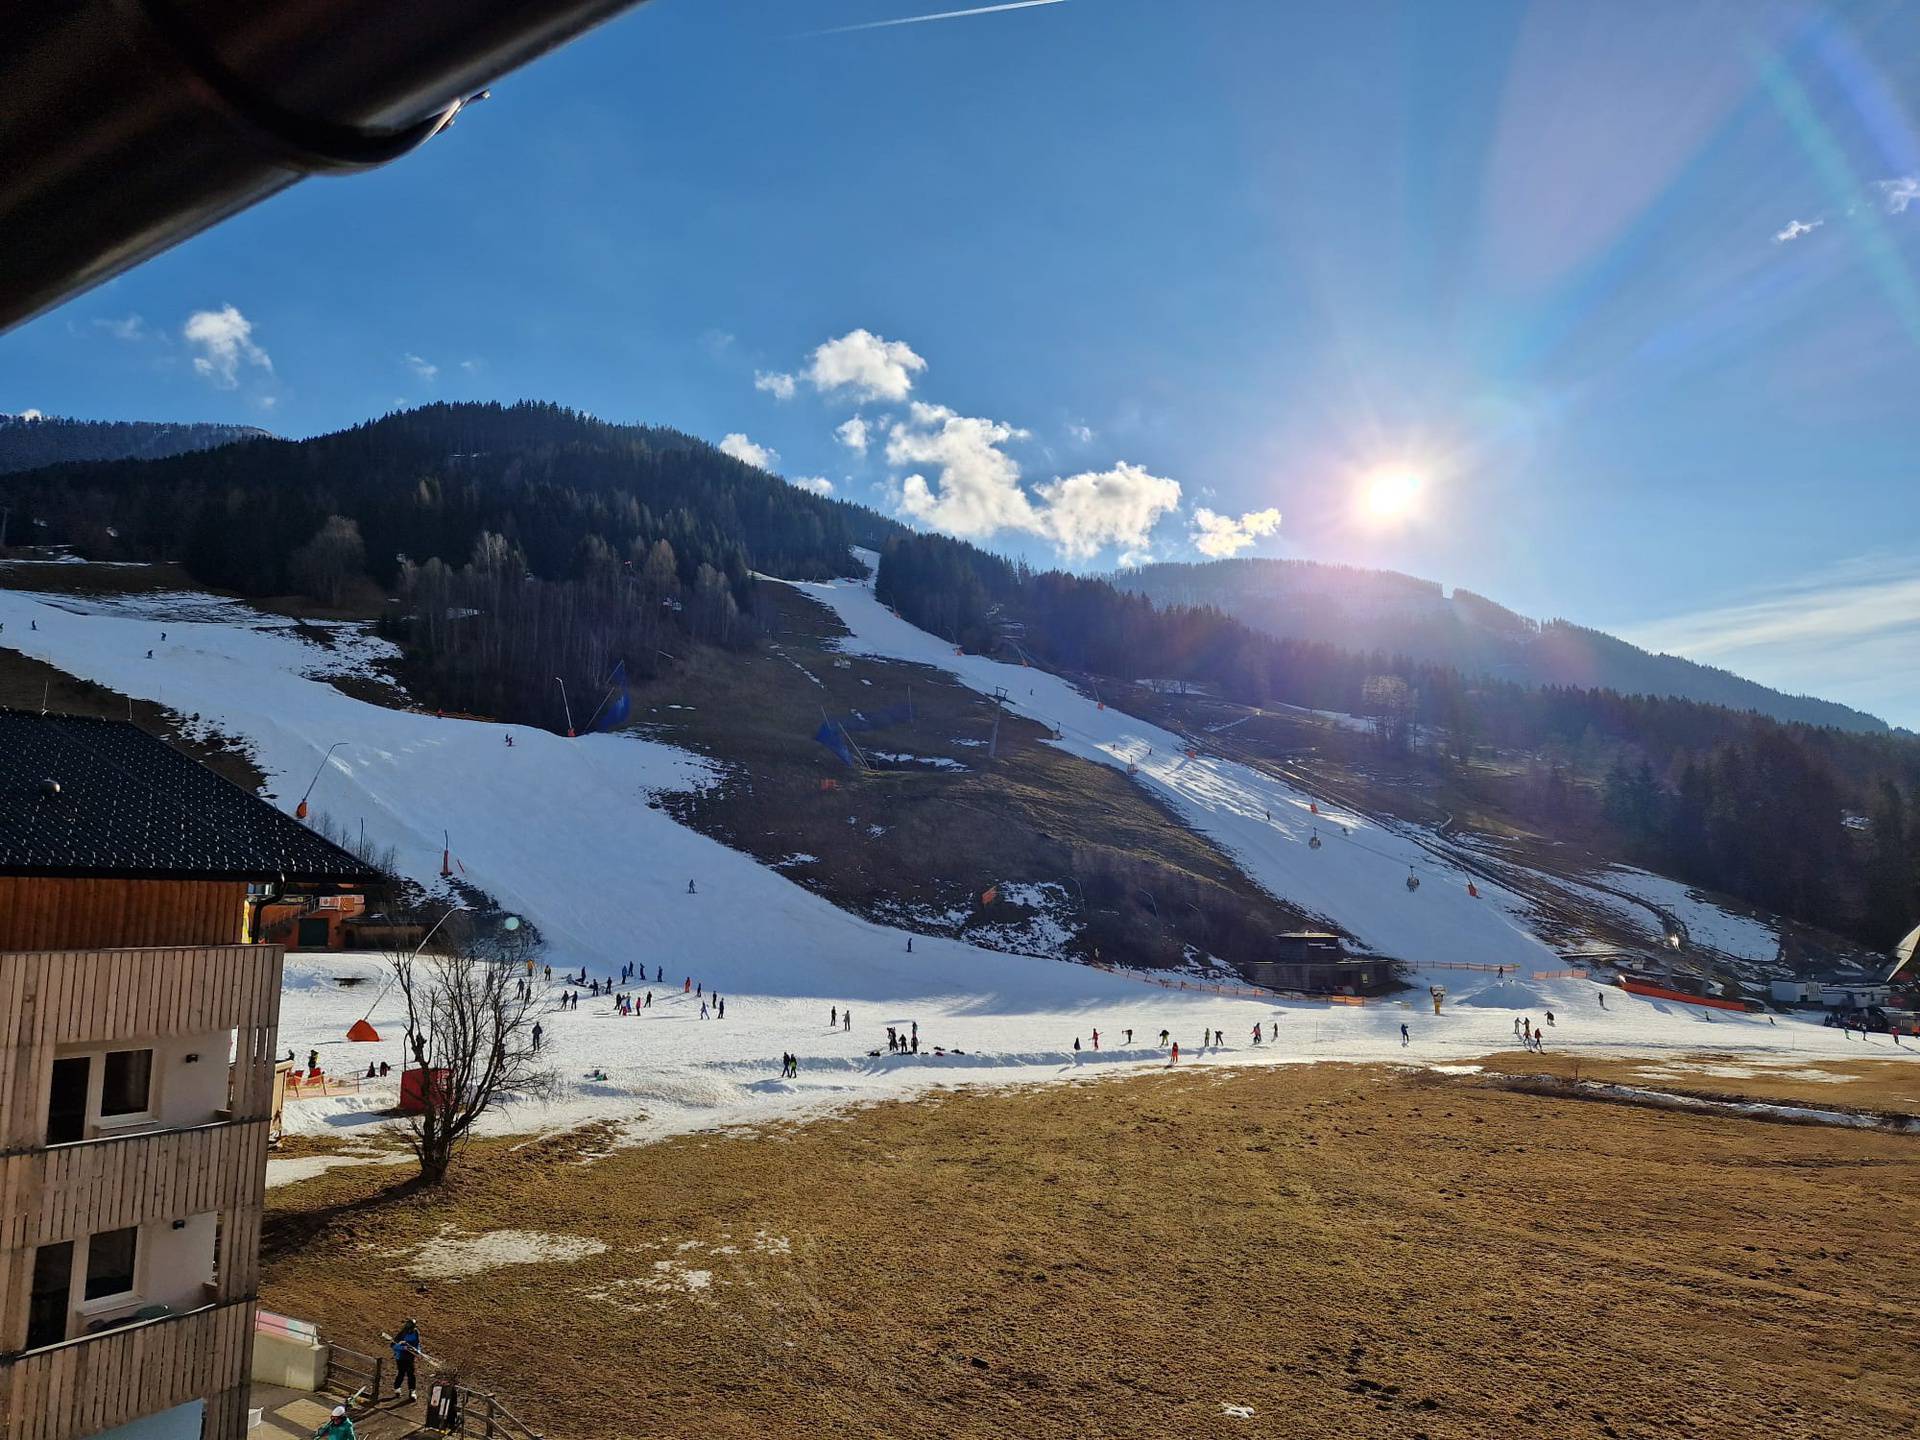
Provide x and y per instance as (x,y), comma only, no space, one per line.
(1385,610)
(30,442)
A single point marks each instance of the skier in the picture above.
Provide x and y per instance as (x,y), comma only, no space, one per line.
(537,1033)
(703,1009)
(1256,1032)
(149,654)
(313,1059)
(1163,1037)
(1549,1017)
(1129,1037)
(722,1009)
(1405,1038)
(649,1004)
(1096,1039)
(846,1019)
(1602,997)
(1175,1059)
(659,973)
(1076,1044)
(339,1426)
(686,986)
(893,1040)
(916,1036)
(833,1016)
(406,1345)
(690,889)
(509,740)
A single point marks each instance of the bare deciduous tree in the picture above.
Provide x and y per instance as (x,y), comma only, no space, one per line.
(471,1024)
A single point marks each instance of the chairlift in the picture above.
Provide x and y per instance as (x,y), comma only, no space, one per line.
(1413,882)
(1313,841)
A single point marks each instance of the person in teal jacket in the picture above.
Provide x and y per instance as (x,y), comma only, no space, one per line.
(338,1426)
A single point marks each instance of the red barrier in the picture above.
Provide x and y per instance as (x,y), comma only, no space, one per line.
(1660,992)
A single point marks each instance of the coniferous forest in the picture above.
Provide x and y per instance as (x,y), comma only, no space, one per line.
(1816,823)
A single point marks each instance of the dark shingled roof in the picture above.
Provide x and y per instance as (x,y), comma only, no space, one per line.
(129,806)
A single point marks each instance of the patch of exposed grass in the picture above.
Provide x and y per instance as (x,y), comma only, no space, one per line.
(1346,1250)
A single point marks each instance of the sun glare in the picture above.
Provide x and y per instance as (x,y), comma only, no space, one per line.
(1390,494)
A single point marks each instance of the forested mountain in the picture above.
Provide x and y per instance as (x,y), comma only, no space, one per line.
(428,483)
(1382,610)
(1723,798)
(521,541)
(28,442)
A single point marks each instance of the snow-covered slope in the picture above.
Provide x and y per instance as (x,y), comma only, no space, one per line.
(561,831)
(1357,876)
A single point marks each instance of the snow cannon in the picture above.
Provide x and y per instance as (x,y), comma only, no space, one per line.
(361,1030)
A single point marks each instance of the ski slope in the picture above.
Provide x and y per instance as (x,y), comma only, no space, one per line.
(560,831)
(1355,879)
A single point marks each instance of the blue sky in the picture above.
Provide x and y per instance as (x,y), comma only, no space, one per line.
(1628,299)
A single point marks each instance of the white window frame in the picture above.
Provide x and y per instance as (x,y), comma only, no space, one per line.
(120,1299)
(99,1126)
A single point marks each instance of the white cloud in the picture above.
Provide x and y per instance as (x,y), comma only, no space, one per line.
(1134,559)
(853,434)
(977,491)
(1085,513)
(1080,434)
(1851,632)
(744,450)
(425,369)
(818,484)
(224,338)
(716,342)
(1221,536)
(1795,229)
(1898,193)
(473,367)
(130,329)
(775,383)
(860,361)
(30,414)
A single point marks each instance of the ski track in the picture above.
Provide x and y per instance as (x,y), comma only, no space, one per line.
(560,831)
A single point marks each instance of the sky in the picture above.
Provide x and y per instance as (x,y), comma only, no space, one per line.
(1607,312)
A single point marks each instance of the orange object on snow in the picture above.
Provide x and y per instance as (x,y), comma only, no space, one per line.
(989,895)
(1314,806)
(1473,890)
(361,1030)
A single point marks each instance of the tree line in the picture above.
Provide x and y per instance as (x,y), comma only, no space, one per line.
(1810,822)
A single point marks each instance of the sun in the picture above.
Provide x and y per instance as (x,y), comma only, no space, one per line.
(1391,494)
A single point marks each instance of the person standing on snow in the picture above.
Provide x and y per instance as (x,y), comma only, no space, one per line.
(1096,1039)
(1405,1038)
(846,1019)
(1163,1037)
(1256,1032)
(703,1009)
(1076,1044)
(833,1016)
(537,1033)
(1175,1060)
(1129,1037)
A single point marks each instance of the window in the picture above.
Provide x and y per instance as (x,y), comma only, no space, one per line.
(67,1102)
(125,1083)
(110,1259)
(47,1306)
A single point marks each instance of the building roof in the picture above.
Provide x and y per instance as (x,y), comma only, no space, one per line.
(81,797)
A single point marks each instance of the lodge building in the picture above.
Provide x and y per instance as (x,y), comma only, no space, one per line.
(137,1046)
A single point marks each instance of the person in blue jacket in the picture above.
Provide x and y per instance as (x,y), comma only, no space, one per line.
(406,1346)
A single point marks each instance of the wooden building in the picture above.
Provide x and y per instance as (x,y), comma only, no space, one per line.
(137,1046)
(1316,963)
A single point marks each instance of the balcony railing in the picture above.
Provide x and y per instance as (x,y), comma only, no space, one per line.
(84,1386)
(118,1180)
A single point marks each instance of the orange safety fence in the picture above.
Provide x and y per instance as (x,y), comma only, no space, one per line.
(1573,974)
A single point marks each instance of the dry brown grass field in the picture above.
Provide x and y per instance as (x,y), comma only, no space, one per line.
(1346,1251)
